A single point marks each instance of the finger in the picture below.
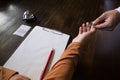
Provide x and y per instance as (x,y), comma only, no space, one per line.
(88,26)
(92,29)
(84,28)
(99,20)
(80,30)
(102,25)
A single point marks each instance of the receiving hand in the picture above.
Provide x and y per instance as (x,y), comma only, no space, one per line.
(85,31)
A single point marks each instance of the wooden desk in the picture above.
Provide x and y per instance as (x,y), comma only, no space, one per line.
(65,16)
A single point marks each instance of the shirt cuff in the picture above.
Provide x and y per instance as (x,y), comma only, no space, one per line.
(118,9)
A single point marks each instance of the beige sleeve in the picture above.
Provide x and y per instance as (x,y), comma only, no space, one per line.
(6,73)
(64,68)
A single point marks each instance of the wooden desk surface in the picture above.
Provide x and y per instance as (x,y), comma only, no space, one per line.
(65,16)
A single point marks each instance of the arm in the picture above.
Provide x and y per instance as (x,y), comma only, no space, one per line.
(6,74)
(68,61)
(65,66)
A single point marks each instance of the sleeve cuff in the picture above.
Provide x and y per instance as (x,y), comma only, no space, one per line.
(7,73)
(118,9)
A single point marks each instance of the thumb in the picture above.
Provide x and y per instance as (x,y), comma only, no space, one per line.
(99,20)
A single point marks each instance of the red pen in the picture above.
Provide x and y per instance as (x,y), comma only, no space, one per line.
(47,64)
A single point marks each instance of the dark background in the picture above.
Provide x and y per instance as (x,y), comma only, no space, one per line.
(65,16)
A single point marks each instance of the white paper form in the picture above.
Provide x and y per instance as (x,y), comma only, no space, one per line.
(30,57)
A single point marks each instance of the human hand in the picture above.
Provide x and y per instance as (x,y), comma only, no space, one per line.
(107,20)
(19,77)
(85,31)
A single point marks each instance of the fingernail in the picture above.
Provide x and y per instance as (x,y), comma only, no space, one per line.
(87,22)
(83,24)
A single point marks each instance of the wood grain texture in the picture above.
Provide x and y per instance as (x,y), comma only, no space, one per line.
(65,16)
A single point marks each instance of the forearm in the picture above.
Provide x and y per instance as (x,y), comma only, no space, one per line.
(65,67)
(6,74)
